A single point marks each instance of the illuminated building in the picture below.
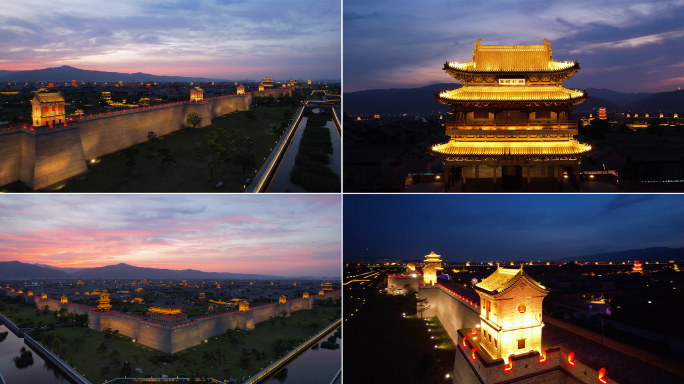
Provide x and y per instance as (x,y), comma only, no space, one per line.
(321,292)
(63,300)
(196,94)
(510,312)
(410,268)
(676,116)
(43,296)
(47,109)
(104,304)
(51,85)
(306,295)
(282,299)
(636,268)
(30,293)
(73,83)
(261,87)
(429,275)
(309,81)
(511,128)
(434,260)
(168,315)
(202,296)
(243,306)
(602,114)
(241,89)
(326,286)
(133,284)
(267,82)
(144,281)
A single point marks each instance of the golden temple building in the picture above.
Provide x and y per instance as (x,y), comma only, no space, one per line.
(261,87)
(326,286)
(321,292)
(267,82)
(511,128)
(429,275)
(282,300)
(306,295)
(434,260)
(241,89)
(43,296)
(510,313)
(104,304)
(243,306)
(168,315)
(63,300)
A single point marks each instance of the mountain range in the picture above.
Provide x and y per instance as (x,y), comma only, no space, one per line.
(420,101)
(647,254)
(66,73)
(19,270)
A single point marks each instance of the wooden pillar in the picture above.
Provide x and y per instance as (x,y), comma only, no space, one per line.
(494,174)
(529,171)
(447,169)
(464,169)
(577,173)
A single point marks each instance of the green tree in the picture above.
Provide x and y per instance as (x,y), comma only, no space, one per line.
(251,116)
(283,312)
(102,349)
(131,153)
(151,137)
(422,306)
(166,156)
(104,372)
(244,159)
(194,120)
(115,357)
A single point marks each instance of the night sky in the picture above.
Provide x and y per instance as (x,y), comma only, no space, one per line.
(508,227)
(283,235)
(225,39)
(625,45)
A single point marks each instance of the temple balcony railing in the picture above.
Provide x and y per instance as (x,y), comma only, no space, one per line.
(511,134)
(509,125)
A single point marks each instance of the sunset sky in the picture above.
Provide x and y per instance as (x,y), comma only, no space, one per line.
(622,45)
(284,235)
(225,39)
(509,227)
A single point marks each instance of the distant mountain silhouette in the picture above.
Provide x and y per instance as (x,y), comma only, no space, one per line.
(647,254)
(420,101)
(666,102)
(411,101)
(19,270)
(618,98)
(67,270)
(126,271)
(66,73)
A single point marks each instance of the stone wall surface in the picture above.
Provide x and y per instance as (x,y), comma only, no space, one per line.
(155,337)
(45,156)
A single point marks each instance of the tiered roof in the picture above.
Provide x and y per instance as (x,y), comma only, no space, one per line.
(512,93)
(504,148)
(504,278)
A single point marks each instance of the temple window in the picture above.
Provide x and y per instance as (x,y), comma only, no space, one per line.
(521,343)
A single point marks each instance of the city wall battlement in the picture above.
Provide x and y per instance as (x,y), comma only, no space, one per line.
(45,155)
(172,339)
(454,309)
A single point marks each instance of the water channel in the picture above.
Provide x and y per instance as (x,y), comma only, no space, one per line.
(27,370)
(281,180)
(315,366)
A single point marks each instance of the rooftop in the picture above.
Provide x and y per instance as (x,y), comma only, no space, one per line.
(504,278)
(505,148)
(512,58)
(512,93)
(49,97)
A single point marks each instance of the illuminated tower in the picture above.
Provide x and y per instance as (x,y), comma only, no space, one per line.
(306,295)
(104,304)
(602,114)
(511,128)
(429,275)
(410,268)
(434,260)
(326,286)
(196,94)
(268,83)
(309,81)
(243,306)
(30,293)
(510,313)
(282,300)
(261,87)
(636,268)
(321,292)
(63,300)
(47,109)
(241,89)
(43,296)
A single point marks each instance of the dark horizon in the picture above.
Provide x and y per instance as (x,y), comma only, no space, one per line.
(631,45)
(484,228)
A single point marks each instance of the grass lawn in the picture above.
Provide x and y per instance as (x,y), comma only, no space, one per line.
(190,363)
(25,316)
(385,340)
(190,173)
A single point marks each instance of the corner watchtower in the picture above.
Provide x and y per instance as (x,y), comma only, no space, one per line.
(510,313)
(47,109)
(196,94)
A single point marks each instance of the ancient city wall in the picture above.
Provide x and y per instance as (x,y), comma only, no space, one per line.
(398,282)
(454,313)
(43,156)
